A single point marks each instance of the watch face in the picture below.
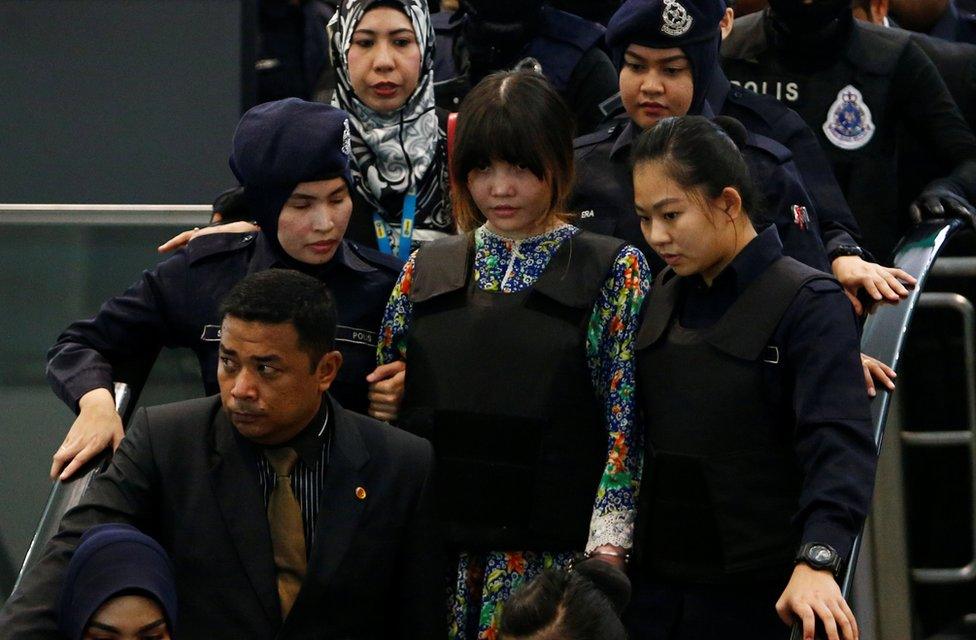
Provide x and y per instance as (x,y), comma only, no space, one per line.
(821,554)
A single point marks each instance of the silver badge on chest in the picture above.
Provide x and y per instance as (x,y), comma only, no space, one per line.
(676,19)
(849,124)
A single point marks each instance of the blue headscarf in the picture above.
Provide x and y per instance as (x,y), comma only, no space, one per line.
(690,25)
(278,145)
(113,559)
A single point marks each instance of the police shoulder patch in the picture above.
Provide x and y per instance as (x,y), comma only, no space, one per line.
(849,123)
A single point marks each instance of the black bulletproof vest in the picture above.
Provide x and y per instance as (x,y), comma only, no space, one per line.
(500,385)
(721,483)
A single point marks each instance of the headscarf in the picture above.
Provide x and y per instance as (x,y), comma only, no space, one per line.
(278,145)
(111,560)
(401,150)
(690,25)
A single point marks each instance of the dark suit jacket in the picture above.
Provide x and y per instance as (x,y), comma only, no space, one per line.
(185,476)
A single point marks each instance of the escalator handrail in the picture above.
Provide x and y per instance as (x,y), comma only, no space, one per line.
(883,338)
(67,494)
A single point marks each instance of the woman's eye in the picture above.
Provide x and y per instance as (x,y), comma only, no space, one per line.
(403,42)
(673,71)
(635,67)
(363,42)
(670,215)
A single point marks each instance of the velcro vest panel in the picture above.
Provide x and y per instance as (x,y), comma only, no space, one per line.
(500,385)
(721,483)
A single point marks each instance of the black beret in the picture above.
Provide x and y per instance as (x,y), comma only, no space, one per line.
(282,143)
(662,24)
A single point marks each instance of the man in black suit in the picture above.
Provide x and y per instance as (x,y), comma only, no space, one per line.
(336,544)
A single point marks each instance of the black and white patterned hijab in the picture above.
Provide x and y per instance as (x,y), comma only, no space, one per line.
(403,149)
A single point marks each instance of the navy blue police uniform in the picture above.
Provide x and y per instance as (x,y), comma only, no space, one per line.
(759,442)
(604,193)
(859,87)
(567,47)
(176,304)
(277,145)
(769,117)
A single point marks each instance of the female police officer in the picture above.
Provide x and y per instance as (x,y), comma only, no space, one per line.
(760,460)
(292,158)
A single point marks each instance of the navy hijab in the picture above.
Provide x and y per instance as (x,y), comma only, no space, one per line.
(112,560)
(690,25)
(278,145)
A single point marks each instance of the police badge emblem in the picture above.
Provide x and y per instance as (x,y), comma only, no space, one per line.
(849,124)
(676,19)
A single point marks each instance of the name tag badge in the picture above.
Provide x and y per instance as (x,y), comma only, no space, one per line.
(211,333)
(355,335)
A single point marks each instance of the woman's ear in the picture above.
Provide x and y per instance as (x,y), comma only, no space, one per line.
(731,203)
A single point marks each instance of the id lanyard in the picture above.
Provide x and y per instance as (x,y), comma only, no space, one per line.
(384,232)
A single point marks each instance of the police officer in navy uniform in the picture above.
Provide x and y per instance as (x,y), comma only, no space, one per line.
(767,116)
(292,158)
(760,456)
(857,86)
(604,193)
(495,35)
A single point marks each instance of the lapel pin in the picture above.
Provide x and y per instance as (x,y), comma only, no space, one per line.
(360,493)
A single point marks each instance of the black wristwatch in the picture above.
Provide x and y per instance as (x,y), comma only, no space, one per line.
(846,250)
(820,556)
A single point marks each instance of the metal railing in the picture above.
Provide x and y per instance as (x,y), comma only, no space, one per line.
(190,215)
(67,494)
(884,334)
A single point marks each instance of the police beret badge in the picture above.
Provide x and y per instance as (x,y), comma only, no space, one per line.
(675,19)
(849,124)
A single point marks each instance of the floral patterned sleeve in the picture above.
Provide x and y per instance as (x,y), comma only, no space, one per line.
(392,344)
(610,355)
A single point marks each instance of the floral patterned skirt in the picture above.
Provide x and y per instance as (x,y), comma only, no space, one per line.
(482,582)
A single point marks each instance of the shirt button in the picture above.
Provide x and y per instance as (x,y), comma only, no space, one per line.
(360,493)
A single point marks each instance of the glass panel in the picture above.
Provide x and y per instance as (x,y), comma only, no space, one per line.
(51,275)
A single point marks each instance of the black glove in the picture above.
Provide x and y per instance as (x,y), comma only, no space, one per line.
(941,200)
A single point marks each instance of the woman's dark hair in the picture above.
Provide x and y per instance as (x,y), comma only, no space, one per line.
(519,118)
(560,605)
(277,296)
(701,154)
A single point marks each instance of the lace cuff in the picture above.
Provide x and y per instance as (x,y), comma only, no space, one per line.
(615,527)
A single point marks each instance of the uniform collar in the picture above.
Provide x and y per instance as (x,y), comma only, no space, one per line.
(265,257)
(622,143)
(718,91)
(762,251)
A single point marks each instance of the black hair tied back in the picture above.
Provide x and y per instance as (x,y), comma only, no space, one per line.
(701,154)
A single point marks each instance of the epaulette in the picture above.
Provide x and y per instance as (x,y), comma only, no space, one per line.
(375,258)
(752,101)
(598,136)
(214,244)
(770,146)
(877,49)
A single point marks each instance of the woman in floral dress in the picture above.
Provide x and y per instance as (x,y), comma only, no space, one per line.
(518,336)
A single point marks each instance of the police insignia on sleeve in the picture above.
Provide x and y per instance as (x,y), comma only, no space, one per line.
(677,20)
(849,124)
(800,216)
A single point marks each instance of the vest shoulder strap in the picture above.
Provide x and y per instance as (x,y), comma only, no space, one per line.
(441,266)
(658,308)
(578,270)
(747,327)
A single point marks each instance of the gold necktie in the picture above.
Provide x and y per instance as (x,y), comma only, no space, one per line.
(287,532)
